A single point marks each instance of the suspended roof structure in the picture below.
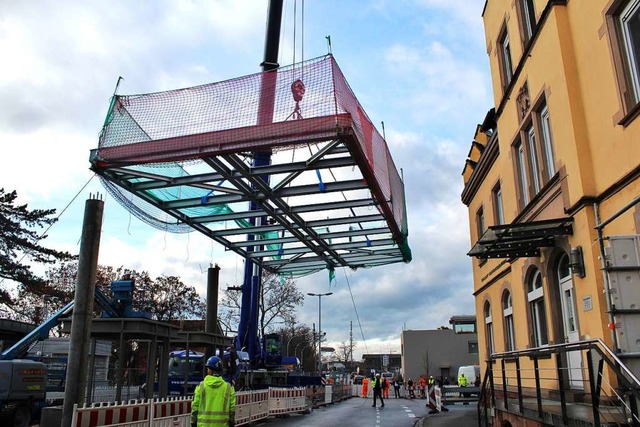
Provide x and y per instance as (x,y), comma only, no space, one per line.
(328,196)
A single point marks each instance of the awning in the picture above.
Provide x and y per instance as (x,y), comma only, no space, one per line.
(520,239)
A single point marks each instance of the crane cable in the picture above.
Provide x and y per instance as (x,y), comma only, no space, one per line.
(353,301)
(295,18)
(295,30)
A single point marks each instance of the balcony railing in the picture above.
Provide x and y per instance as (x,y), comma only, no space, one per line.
(580,383)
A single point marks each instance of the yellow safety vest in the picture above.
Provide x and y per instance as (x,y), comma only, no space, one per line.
(462,381)
(214,402)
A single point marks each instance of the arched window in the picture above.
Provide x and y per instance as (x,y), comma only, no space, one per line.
(509,330)
(535,296)
(568,305)
(488,322)
(564,269)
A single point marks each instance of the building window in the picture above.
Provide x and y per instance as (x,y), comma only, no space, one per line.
(521,168)
(464,328)
(506,65)
(532,155)
(509,330)
(534,158)
(473,347)
(527,19)
(488,322)
(480,224)
(547,142)
(498,207)
(629,22)
(535,296)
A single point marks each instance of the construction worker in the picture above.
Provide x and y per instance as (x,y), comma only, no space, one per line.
(385,388)
(410,388)
(230,365)
(365,386)
(462,380)
(376,385)
(432,381)
(214,400)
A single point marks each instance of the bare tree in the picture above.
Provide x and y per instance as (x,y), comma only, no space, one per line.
(166,298)
(278,299)
(343,352)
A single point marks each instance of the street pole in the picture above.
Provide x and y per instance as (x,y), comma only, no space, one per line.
(320,327)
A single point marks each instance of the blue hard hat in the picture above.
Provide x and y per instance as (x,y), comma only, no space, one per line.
(214,363)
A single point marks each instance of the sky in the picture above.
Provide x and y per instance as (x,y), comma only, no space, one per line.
(419,66)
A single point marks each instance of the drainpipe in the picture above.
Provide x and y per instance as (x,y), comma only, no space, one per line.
(607,285)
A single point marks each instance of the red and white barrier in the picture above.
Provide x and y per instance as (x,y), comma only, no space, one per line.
(170,407)
(111,414)
(171,413)
(156,413)
(176,412)
(297,400)
(260,405)
(251,406)
(287,400)
(435,400)
(243,407)
(278,401)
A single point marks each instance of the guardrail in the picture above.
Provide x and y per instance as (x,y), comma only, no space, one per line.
(251,406)
(456,394)
(560,384)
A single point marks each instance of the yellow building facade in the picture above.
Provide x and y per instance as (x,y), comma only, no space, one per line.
(552,185)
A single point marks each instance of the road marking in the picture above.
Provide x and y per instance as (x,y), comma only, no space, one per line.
(410,414)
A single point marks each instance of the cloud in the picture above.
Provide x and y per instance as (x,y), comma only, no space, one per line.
(435,84)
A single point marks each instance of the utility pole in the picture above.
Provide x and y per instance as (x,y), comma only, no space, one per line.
(320,326)
(351,344)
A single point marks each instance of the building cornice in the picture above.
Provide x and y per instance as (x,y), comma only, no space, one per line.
(485,163)
(621,184)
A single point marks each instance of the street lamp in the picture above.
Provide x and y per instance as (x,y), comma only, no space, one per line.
(320,327)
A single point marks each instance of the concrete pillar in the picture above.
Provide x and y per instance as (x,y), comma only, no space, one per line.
(92,369)
(76,377)
(187,371)
(151,366)
(213,280)
(122,359)
(163,389)
(211,323)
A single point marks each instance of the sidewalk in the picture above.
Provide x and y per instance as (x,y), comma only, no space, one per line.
(458,416)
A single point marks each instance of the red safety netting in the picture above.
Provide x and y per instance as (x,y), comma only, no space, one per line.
(272,111)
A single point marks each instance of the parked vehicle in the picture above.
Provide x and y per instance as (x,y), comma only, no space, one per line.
(471,372)
(23,386)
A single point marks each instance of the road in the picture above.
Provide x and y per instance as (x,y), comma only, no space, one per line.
(357,412)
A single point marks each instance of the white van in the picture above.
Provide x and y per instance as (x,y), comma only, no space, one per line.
(388,376)
(471,372)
